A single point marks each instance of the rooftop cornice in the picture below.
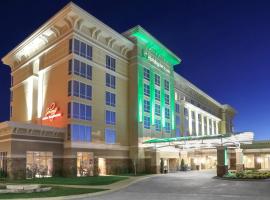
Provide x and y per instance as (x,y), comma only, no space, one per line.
(73,17)
(64,11)
(142,35)
(195,88)
(229,108)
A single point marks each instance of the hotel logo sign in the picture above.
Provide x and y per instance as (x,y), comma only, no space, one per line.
(52,112)
(153,60)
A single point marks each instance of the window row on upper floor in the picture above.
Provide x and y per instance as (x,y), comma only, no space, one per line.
(80,68)
(78,89)
(81,111)
(146,75)
(83,133)
(210,108)
(146,90)
(147,124)
(84,50)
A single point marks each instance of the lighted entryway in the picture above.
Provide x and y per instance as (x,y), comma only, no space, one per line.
(39,164)
(85,164)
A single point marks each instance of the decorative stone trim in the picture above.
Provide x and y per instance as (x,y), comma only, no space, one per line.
(14,128)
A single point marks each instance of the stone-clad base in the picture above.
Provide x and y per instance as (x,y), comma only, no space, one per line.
(118,166)
(222,170)
(70,167)
(57,167)
(239,167)
(16,168)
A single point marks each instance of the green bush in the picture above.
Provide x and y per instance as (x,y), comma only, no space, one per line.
(248,174)
(3,174)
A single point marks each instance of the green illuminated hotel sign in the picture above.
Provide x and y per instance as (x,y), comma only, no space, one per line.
(149,56)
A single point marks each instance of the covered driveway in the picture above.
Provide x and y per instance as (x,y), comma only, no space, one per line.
(193,185)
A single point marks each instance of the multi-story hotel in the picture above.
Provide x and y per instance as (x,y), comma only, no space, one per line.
(86,100)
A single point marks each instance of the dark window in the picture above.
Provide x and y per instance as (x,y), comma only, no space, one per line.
(110,63)
(110,80)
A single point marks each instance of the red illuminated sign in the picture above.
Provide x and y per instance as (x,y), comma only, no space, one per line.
(52,112)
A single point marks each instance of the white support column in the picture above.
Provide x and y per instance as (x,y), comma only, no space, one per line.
(217,129)
(197,123)
(190,121)
(213,132)
(208,126)
(203,125)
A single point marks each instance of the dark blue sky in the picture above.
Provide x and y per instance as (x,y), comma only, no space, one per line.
(224,45)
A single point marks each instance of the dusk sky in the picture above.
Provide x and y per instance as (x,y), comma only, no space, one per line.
(224,45)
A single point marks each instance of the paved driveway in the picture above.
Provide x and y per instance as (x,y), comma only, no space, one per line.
(191,186)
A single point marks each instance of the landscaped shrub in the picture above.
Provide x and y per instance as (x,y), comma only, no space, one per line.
(3,174)
(248,174)
(161,166)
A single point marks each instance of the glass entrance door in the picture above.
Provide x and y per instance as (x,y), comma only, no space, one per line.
(85,164)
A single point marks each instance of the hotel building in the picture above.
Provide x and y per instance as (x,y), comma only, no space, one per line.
(87,100)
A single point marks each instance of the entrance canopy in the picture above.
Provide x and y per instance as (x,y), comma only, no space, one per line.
(191,142)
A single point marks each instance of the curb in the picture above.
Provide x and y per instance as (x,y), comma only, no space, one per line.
(93,194)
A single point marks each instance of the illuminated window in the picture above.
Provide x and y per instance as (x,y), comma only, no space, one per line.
(110,81)
(110,136)
(157,109)
(157,95)
(177,132)
(78,89)
(3,162)
(157,80)
(166,85)
(79,133)
(167,127)
(79,111)
(110,117)
(83,90)
(158,125)
(76,67)
(146,122)
(146,106)
(110,99)
(80,48)
(146,74)
(177,108)
(177,120)
(167,113)
(146,90)
(110,63)
(80,68)
(167,99)
(39,164)
(75,91)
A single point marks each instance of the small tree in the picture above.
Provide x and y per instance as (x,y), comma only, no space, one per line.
(161,166)
(135,167)
(182,166)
